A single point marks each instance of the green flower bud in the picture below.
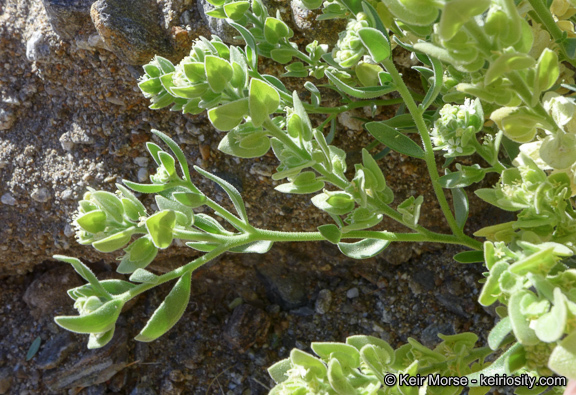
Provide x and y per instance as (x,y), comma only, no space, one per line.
(349,49)
(455,131)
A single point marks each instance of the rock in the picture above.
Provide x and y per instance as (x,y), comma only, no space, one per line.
(352,293)
(38,48)
(56,350)
(246,326)
(143,389)
(92,367)
(47,293)
(131,29)
(5,380)
(422,281)
(7,118)
(282,288)
(323,301)
(41,195)
(68,18)
(8,199)
(326,32)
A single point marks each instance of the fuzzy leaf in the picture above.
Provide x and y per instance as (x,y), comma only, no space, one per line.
(218,72)
(376,42)
(469,257)
(394,139)
(363,249)
(160,226)
(563,359)
(143,276)
(229,115)
(232,192)
(331,233)
(169,312)
(360,93)
(499,333)
(236,10)
(100,320)
(279,371)
(190,199)
(115,241)
(263,101)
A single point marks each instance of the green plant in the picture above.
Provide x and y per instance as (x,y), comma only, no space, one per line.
(497,76)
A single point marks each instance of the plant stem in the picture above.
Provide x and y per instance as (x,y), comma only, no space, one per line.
(428,149)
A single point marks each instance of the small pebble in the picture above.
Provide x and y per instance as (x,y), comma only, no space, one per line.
(324,301)
(142,174)
(8,199)
(40,195)
(352,293)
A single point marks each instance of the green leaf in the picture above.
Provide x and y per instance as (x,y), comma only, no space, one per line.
(100,320)
(394,139)
(363,249)
(550,326)
(110,203)
(190,91)
(547,72)
(236,10)
(377,43)
(146,188)
(114,242)
(263,101)
(437,84)
(499,333)
(139,254)
(34,347)
(160,226)
(98,340)
(498,367)
(255,247)
(461,206)
(169,312)
(184,215)
(469,257)
(331,233)
(229,115)
(506,63)
(314,367)
(232,192)
(456,13)
(376,359)
(563,358)
(165,64)
(202,246)
(151,86)
(85,272)
(520,324)
(218,72)
(283,55)
(491,289)
(279,371)
(163,100)
(338,380)
(177,151)
(93,221)
(275,30)
(359,341)
(210,225)
(190,199)
(360,93)
(325,350)
(251,46)
(143,276)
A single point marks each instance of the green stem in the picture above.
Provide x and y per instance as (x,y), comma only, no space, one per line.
(526,95)
(228,216)
(428,149)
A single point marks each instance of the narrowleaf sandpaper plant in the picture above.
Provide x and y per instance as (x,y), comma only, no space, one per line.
(498,81)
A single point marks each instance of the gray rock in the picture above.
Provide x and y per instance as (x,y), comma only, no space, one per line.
(246,326)
(131,29)
(8,199)
(143,389)
(352,293)
(41,195)
(5,380)
(55,351)
(38,48)
(284,289)
(92,367)
(48,292)
(69,17)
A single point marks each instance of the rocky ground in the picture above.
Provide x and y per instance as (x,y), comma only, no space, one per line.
(71,116)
